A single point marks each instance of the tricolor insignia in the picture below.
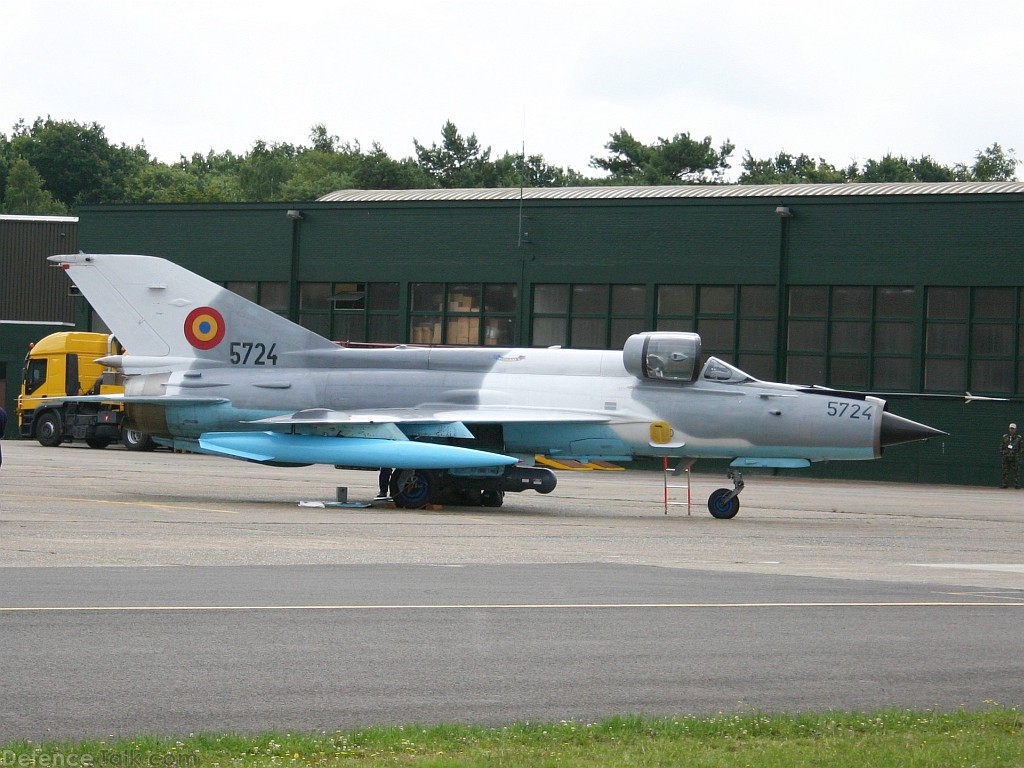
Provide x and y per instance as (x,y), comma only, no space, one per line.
(204,327)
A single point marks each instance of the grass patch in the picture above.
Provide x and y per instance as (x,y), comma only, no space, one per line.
(993,737)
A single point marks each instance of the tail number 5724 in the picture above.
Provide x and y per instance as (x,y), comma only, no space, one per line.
(253,353)
(844,410)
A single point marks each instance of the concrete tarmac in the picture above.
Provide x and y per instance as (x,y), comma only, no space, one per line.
(170,593)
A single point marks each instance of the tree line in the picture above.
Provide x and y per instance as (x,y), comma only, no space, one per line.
(54,166)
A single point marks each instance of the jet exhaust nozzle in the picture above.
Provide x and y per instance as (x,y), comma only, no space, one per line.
(897,430)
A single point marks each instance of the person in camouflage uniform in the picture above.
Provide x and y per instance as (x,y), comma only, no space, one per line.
(1011,450)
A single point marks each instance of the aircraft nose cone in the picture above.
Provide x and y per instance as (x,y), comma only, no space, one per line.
(896,430)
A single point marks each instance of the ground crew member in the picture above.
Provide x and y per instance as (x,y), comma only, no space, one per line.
(1011,450)
(384,483)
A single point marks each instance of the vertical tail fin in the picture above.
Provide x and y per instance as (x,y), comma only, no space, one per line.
(160,310)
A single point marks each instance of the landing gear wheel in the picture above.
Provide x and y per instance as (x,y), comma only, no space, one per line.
(492,498)
(134,440)
(97,442)
(722,507)
(413,488)
(49,431)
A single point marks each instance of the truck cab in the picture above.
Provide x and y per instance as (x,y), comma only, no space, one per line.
(64,365)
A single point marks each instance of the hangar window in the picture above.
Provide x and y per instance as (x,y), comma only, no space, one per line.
(851,336)
(736,323)
(247,289)
(272,295)
(716,319)
(499,317)
(365,312)
(586,315)
(849,343)
(462,313)
(383,323)
(971,339)
(359,312)
(314,307)
(807,333)
(892,358)
(756,342)
(675,306)
(945,341)
(627,315)
(1019,389)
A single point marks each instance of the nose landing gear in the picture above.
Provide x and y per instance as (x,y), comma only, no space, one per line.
(724,503)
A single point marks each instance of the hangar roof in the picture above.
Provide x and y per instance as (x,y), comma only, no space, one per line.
(17,217)
(773,191)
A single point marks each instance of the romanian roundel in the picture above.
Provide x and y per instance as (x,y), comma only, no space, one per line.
(204,327)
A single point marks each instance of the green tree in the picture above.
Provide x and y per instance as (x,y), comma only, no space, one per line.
(533,171)
(889,169)
(322,141)
(264,171)
(77,163)
(6,159)
(928,169)
(25,194)
(323,169)
(378,170)
(459,161)
(679,160)
(160,183)
(785,168)
(217,175)
(995,164)
(213,178)
(210,164)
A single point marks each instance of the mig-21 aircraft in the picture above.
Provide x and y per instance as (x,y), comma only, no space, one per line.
(209,371)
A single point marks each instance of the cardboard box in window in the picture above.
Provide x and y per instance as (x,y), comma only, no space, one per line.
(460,302)
(493,332)
(426,334)
(463,330)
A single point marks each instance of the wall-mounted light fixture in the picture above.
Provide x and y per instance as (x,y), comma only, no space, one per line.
(294,215)
(783,212)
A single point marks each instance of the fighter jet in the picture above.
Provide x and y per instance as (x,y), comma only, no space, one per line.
(209,371)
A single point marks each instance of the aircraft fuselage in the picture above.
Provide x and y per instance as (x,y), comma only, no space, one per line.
(616,409)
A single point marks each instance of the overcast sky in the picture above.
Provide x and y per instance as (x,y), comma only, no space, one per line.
(845,81)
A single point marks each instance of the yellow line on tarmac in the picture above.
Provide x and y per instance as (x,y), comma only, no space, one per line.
(501,606)
(130,504)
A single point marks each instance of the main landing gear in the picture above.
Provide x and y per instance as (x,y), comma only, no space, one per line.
(415,488)
(723,503)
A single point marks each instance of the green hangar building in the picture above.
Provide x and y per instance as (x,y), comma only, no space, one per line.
(894,288)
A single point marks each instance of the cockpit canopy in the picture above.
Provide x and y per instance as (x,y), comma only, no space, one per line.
(663,355)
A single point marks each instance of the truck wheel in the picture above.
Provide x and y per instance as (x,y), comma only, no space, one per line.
(134,440)
(97,442)
(49,431)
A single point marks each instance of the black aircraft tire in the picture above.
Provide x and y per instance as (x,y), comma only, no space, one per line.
(97,442)
(134,440)
(49,430)
(721,507)
(492,498)
(413,488)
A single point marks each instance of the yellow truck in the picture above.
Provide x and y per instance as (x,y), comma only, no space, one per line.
(64,365)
